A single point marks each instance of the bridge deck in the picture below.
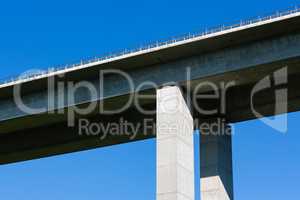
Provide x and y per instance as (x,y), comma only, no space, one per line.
(244,54)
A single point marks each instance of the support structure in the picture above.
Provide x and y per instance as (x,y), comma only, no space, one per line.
(175,146)
(216,161)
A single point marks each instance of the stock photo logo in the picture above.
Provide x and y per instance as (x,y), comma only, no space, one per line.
(280,79)
(276,81)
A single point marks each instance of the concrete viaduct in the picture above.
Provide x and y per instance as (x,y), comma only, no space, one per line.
(245,53)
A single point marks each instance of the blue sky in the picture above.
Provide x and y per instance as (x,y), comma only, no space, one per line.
(40,34)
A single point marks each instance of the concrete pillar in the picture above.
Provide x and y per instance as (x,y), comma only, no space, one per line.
(216,161)
(175,146)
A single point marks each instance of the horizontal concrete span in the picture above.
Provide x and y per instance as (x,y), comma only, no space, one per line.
(245,57)
(244,65)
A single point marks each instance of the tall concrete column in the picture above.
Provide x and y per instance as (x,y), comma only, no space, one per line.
(175,146)
(216,161)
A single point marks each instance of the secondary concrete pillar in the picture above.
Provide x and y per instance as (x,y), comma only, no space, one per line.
(175,146)
(216,161)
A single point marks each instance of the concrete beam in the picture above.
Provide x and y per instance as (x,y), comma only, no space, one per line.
(30,143)
(175,146)
(60,138)
(245,64)
(254,55)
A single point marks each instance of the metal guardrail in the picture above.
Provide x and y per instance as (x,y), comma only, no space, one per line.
(151,46)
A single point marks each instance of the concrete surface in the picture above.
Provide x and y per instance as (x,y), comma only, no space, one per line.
(216,181)
(244,56)
(175,146)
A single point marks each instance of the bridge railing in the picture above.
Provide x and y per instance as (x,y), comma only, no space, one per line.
(151,46)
